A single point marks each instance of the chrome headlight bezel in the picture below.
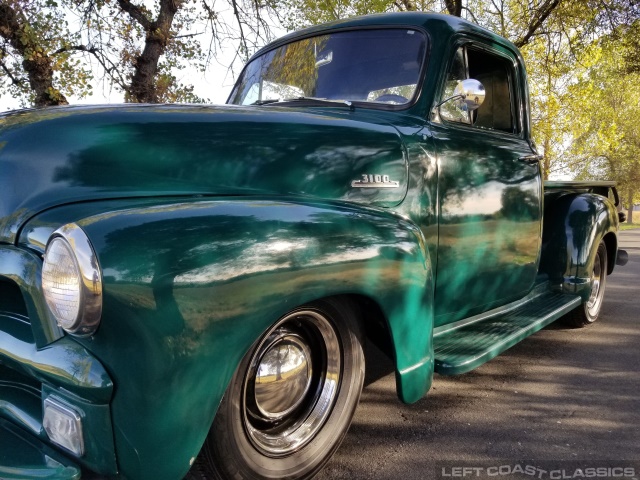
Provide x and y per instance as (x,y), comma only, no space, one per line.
(87,320)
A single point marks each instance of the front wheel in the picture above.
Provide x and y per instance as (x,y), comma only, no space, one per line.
(588,312)
(292,398)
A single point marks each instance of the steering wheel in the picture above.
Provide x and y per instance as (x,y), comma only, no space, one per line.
(392,97)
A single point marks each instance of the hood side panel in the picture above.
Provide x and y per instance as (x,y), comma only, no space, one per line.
(65,155)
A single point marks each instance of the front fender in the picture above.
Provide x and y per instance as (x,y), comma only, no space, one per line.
(574,225)
(188,287)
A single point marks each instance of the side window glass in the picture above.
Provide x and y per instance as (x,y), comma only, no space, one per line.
(458,71)
(496,73)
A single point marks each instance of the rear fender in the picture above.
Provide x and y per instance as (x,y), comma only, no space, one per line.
(574,225)
(189,287)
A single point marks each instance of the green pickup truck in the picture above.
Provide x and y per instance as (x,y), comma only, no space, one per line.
(193,284)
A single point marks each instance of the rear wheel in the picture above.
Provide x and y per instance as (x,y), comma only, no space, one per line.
(588,312)
(292,397)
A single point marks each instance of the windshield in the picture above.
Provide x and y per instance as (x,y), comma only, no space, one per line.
(378,66)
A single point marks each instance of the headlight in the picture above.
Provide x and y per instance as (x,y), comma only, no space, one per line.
(72,281)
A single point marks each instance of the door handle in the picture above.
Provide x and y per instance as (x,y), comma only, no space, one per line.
(530,159)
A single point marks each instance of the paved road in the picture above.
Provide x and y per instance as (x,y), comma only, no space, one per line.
(561,395)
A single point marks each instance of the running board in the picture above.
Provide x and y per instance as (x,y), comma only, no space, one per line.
(459,350)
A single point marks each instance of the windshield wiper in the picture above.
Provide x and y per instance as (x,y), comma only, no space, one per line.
(266,101)
(269,101)
(321,100)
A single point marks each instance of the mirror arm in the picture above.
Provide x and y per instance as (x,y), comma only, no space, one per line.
(435,111)
(470,92)
(454,97)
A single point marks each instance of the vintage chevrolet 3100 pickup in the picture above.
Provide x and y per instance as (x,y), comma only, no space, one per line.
(196,282)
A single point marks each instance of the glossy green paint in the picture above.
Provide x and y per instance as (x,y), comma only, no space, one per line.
(100,454)
(89,153)
(21,456)
(460,348)
(24,268)
(185,311)
(210,223)
(63,363)
(574,224)
(69,177)
(37,360)
(21,401)
(490,221)
(64,368)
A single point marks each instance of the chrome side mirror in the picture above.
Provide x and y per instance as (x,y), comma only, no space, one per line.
(470,93)
(468,96)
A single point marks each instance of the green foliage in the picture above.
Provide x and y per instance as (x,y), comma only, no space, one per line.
(120,36)
(138,49)
(605,127)
(43,37)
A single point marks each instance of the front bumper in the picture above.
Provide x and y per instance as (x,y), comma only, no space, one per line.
(36,362)
(23,456)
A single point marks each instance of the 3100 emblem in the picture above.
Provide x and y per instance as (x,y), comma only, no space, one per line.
(375,181)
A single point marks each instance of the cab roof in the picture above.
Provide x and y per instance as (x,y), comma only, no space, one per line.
(438,24)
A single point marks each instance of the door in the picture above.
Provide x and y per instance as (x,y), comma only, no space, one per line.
(489,192)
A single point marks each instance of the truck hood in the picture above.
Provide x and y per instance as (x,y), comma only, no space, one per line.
(64,155)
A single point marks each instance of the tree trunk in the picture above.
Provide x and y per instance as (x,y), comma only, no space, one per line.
(454,7)
(630,210)
(546,161)
(143,88)
(143,84)
(36,63)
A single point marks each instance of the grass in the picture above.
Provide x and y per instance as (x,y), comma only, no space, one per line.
(631,226)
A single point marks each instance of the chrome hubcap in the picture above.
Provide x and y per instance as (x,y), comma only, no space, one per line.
(283,376)
(292,383)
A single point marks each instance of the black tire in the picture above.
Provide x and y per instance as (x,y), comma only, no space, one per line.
(245,442)
(588,312)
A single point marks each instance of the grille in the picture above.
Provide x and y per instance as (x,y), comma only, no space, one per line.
(11,300)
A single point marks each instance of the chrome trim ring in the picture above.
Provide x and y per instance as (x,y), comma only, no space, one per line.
(597,286)
(90,311)
(285,416)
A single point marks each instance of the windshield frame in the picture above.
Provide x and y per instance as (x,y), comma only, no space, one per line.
(331,30)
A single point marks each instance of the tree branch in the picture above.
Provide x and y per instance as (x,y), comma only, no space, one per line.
(14,80)
(243,38)
(473,17)
(74,48)
(543,12)
(188,35)
(102,60)
(39,68)
(136,13)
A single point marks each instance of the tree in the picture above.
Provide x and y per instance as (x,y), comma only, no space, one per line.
(607,99)
(520,21)
(129,39)
(139,46)
(33,62)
